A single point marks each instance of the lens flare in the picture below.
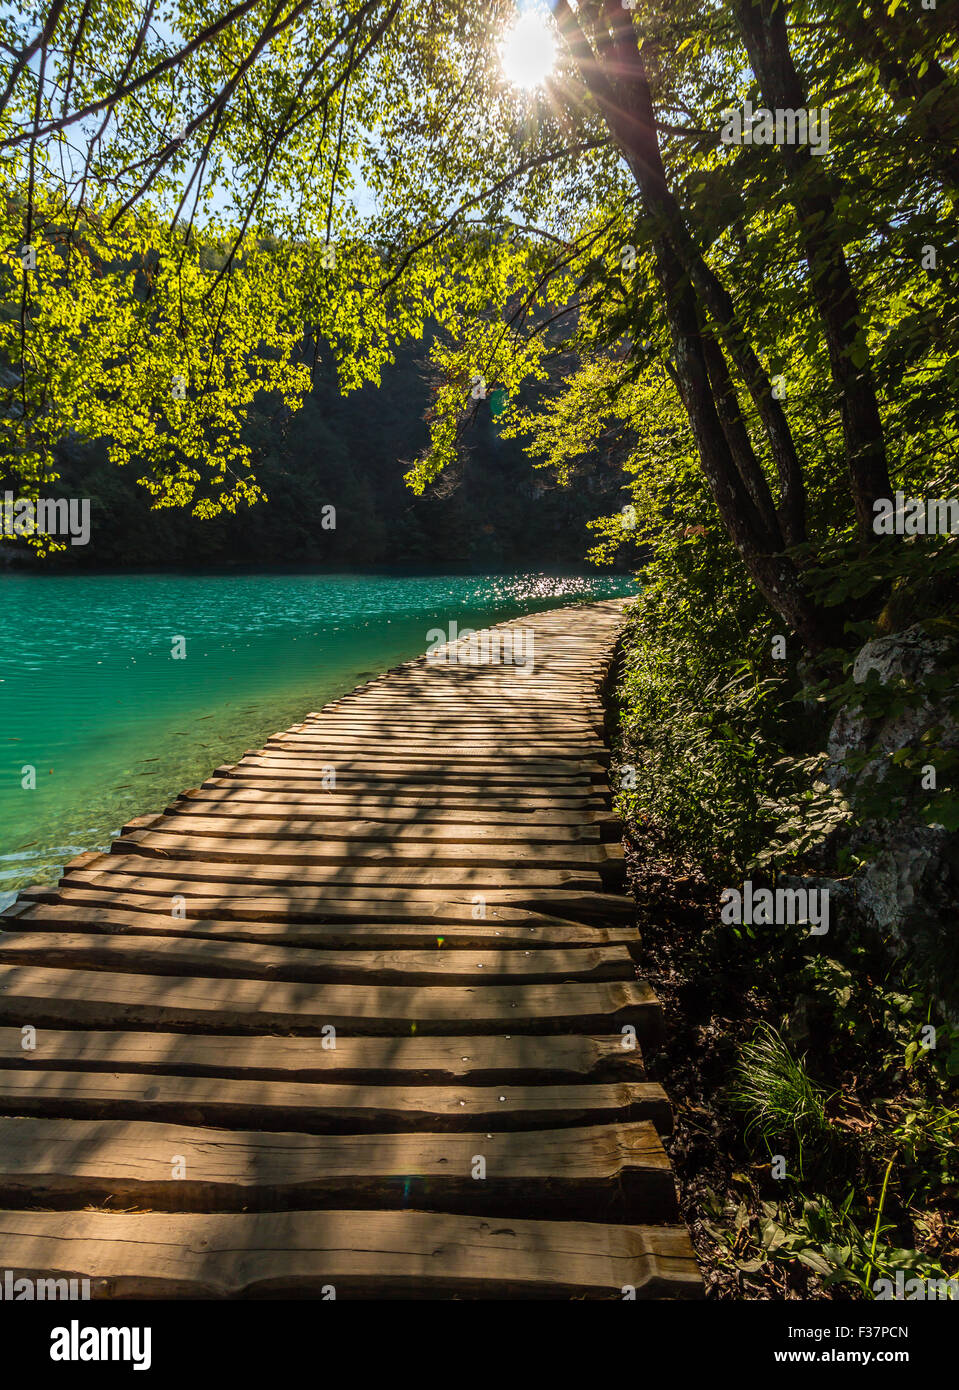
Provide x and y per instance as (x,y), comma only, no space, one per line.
(529,51)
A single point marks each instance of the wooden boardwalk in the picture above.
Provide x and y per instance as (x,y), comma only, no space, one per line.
(382,1037)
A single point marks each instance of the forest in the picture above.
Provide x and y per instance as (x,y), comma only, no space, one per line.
(347,452)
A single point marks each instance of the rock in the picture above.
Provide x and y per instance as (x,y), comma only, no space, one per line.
(906,893)
(912,654)
(909,868)
(905,898)
(908,658)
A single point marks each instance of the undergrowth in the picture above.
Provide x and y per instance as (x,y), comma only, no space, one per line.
(820,1067)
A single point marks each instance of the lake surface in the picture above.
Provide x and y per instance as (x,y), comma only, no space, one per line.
(93,699)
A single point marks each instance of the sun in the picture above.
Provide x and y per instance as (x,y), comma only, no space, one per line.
(529,51)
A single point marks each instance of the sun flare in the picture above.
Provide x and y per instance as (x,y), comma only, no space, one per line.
(529,51)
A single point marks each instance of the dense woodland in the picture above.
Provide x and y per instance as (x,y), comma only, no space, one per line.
(498,512)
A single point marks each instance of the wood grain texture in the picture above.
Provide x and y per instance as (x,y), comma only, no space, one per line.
(357,1254)
(518,1058)
(320,1107)
(609,1171)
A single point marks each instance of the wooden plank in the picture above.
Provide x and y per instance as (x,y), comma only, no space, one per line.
(455,751)
(356,1253)
(403,720)
(431,701)
(235,798)
(438,681)
(555,688)
(499,768)
(567,683)
(445,738)
(371,715)
(173,955)
(326,1107)
(521,1059)
(251,822)
(297,904)
(497,704)
(489,791)
(527,935)
(487,739)
(449,747)
(229,799)
(567,689)
(458,804)
(133,872)
(465,679)
(605,1172)
(52,997)
(488,745)
(172,843)
(581,848)
(489,763)
(497,774)
(472,678)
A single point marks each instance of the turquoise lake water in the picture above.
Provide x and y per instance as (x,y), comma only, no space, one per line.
(92,698)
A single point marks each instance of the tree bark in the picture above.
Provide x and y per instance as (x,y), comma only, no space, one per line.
(737,437)
(771,570)
(717,299)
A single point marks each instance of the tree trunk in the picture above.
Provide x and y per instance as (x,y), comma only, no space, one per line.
(627,108)
(717,299)
(622,55)
(737,437)
(771,570)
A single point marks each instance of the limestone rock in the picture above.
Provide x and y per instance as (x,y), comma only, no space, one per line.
(906,894)
(909,656)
